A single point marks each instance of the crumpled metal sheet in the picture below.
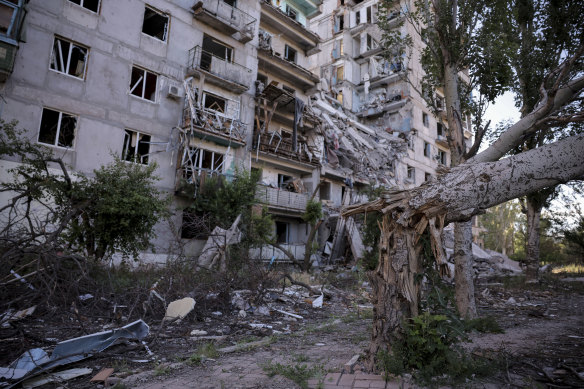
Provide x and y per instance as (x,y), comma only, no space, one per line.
(36,361)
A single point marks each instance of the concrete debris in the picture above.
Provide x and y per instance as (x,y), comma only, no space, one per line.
(213,254)
(348,367)
(178,309)
(198,333)
(317,303)
(290,314)
(511,301)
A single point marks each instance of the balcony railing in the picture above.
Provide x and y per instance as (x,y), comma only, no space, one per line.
(215,122)
(231,17)
(200,59)
(267,253)
(281,198)
(274,143)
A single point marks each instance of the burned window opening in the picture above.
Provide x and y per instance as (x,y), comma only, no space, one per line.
(289,54)
(69,58)
(92,5)
(143,84)
(57,128)
(155,24)
(136,147)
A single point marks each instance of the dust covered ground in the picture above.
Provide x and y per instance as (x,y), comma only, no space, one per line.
(221,347)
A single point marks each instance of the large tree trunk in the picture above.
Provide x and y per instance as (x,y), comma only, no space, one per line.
(532,252)
(463,273)
(395,294)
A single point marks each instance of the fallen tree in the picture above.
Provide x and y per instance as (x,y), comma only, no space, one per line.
(457,195)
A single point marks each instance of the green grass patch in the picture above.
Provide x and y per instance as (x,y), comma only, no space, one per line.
(205,351)
(299,373)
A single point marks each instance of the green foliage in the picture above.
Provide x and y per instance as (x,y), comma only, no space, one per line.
(205,351)
(575,238)
(299,373)
(503,225)
(429,349)
(371,232)
(123,208)
(113,210)
(313,212)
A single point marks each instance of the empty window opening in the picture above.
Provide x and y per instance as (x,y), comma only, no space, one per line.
(340,97)
(325,190)
(443,157)
(136,147)
(143,84)
(358,17)
(411,174)
(155,24)
(427,152)
(340,73)
(339,23)
(69,58)
(194,225)
(425,119)
(411,142)
(214,48)
(282,232)
(427,177)
(439,103)
(290,54)
(284,181)
(291,12)
(232,3)
(92,5)
(369,16)
(213,102)
(57,128)
(371,43)
(440,129)
(203,160)
(263,79)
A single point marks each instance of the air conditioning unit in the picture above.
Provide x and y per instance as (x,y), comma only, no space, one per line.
(175,92)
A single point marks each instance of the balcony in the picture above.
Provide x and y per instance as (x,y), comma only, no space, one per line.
(379,104)
(273,144)
(218,71)
(267,253)
(225,18)
(11,22)
(442,141)
(281,199)
(215,126)
(278,66)
(291,29)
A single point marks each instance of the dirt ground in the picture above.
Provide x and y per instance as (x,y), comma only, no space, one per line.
(543,343)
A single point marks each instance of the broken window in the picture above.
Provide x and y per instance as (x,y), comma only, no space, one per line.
(203,160)
(155,24)
(425,119)
(358,17)
(442,157)
(136,147)
(427,177)
(371,43)
(92,5)
(439,129)
(427,152)
(282,232)
(57,128)
(213,102)
(284,181)
(143,84)
(411,174)
(339,23)
(289,54)
(369,16)
(214,48)
(291,12)
(411,142)
(69,58)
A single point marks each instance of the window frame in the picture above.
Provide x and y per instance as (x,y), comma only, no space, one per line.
(287,49)
(425,119)
(72,45)
(411,173)
(144,78)
(136,156)
(287,237)
(81,2)
(58,132)
(166,27)
(427,150)
(442,157)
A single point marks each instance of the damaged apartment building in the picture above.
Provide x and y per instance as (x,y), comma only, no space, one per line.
(296,88)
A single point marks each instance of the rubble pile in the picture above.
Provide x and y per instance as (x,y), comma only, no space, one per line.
(353,148)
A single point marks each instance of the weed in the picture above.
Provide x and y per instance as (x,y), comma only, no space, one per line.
(301,358)
(161,370)
(204,352)
(298,373)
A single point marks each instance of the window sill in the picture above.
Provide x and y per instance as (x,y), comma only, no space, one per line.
(67,75)
(143,99)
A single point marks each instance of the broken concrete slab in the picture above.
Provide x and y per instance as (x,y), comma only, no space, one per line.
(213,254)
(60,376)
(178,309)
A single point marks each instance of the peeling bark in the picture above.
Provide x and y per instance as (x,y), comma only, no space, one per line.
(532,257)
(463,274)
